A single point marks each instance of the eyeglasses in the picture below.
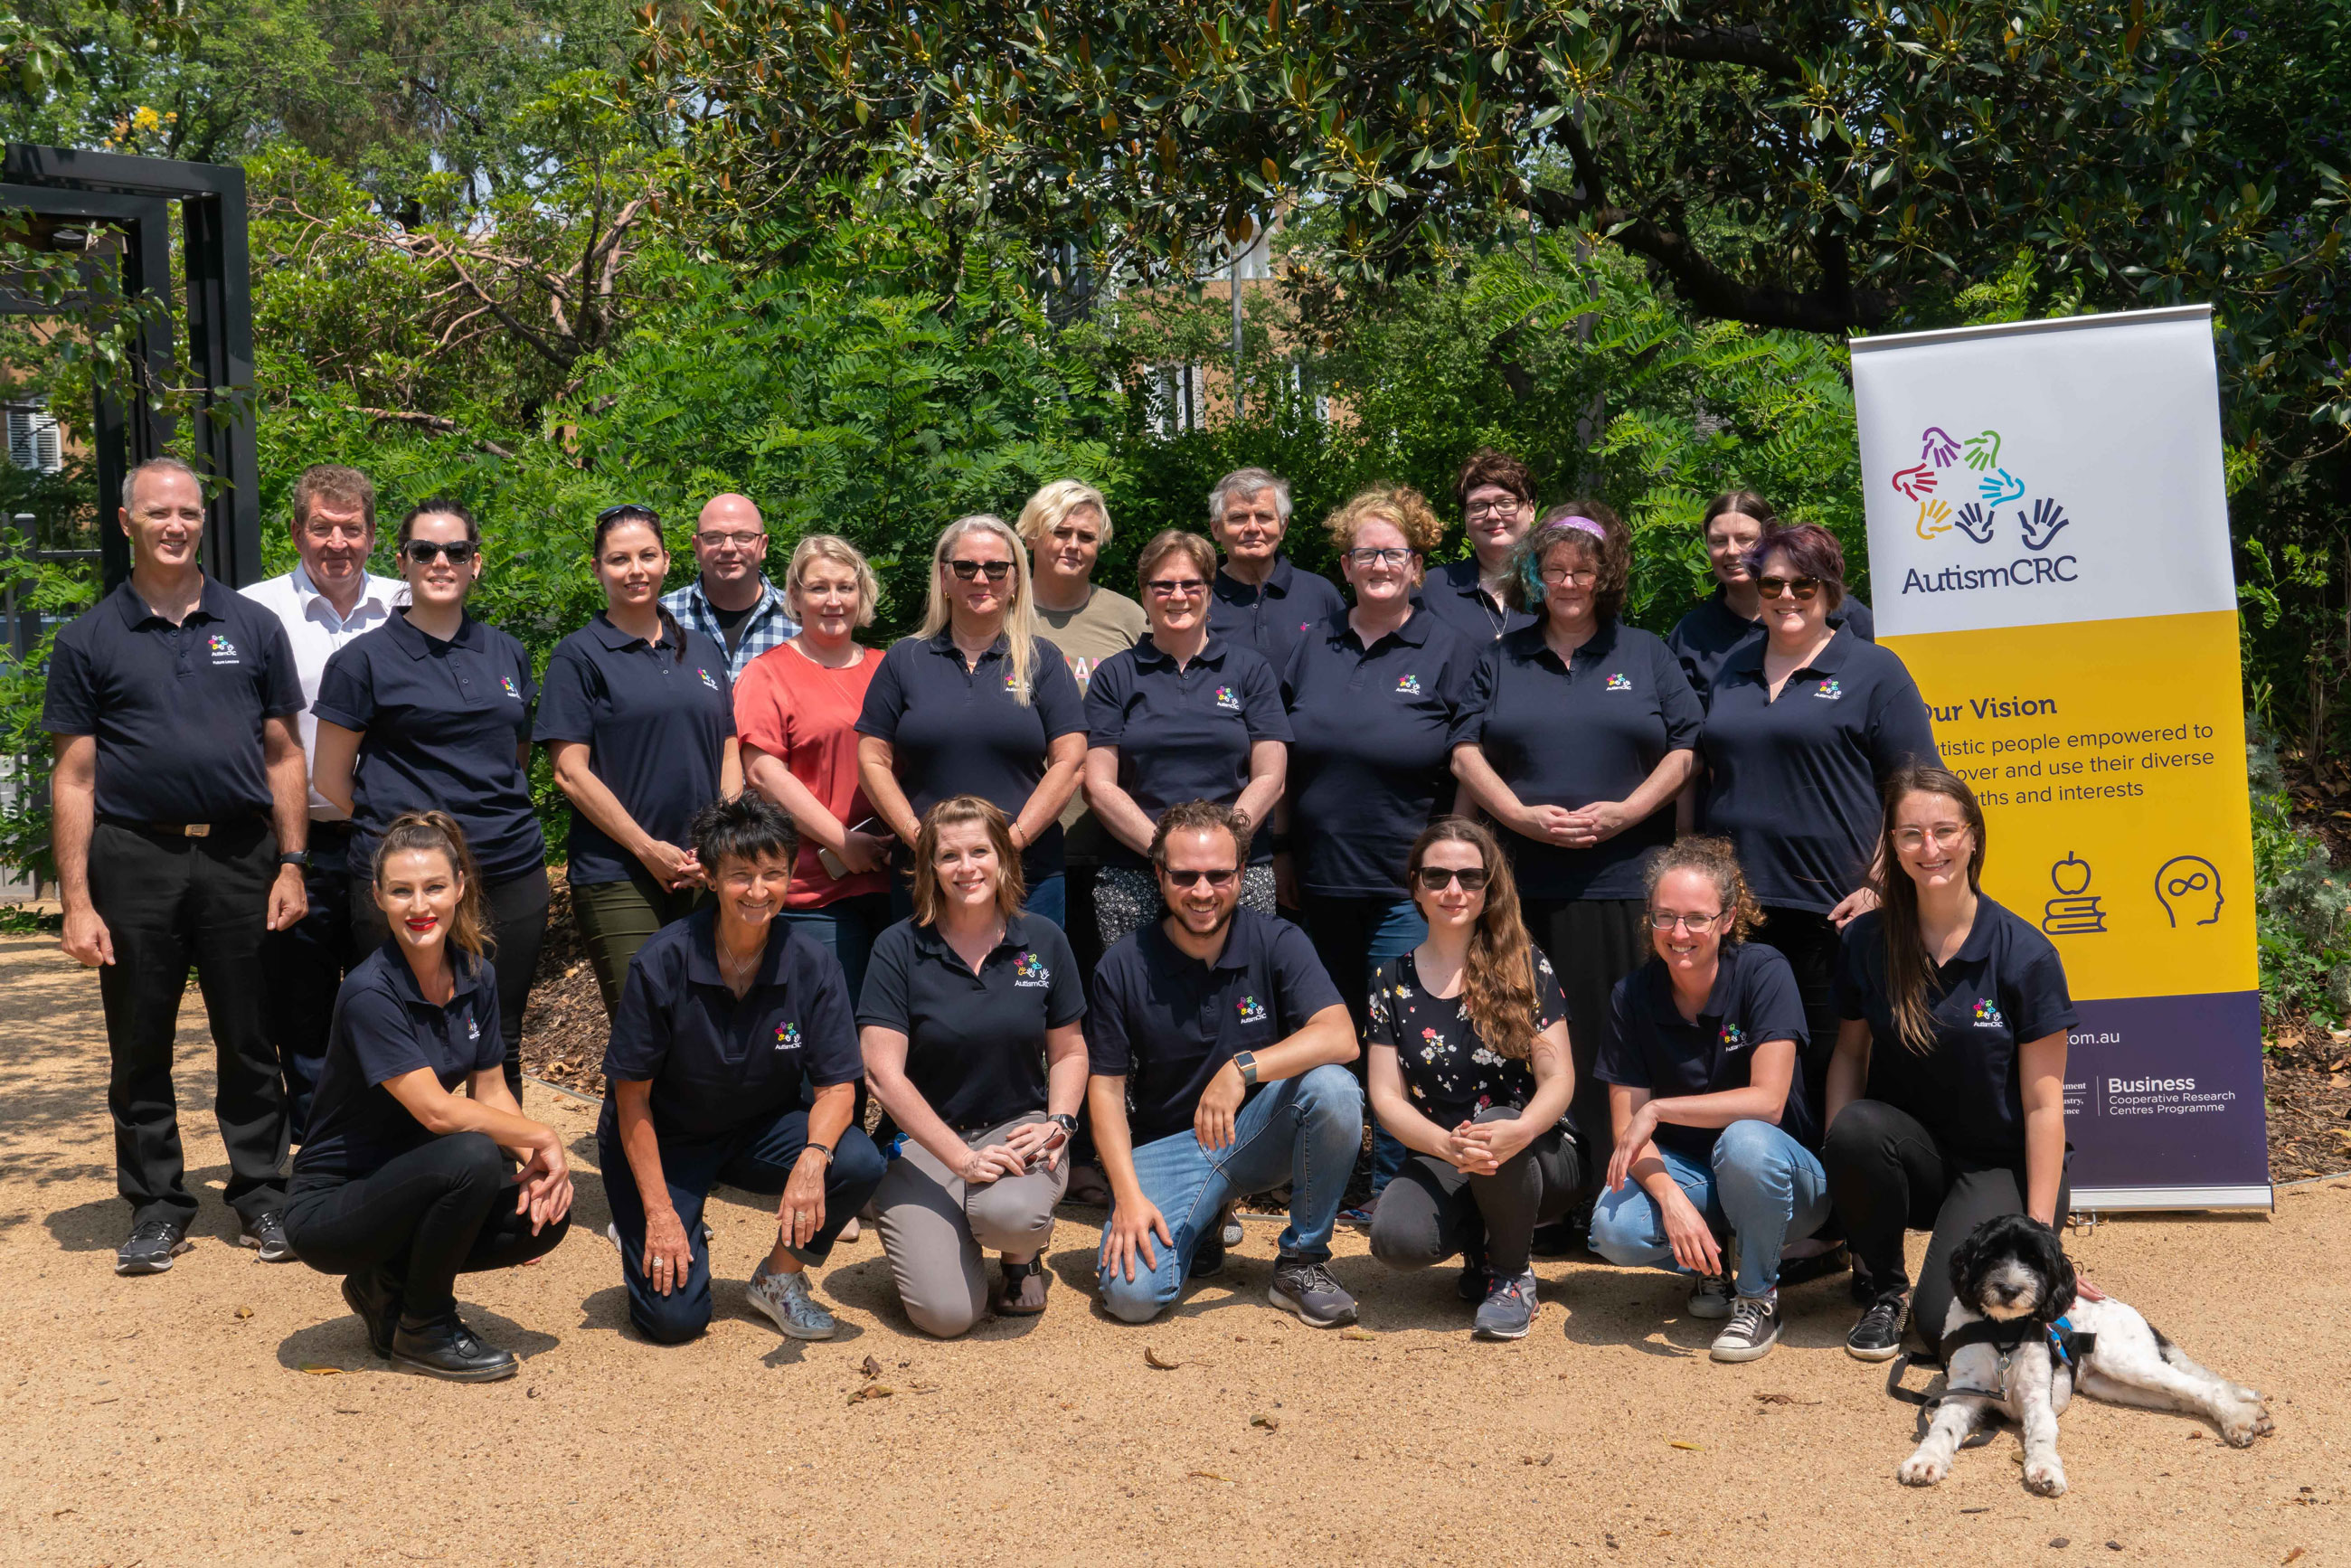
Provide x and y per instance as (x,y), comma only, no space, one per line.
(993,570)
(1394,556)
(419,552)
(1176,586)
(738,541)
(1571,577)
(608,513)
(1510,506)
(1437,878)
(1667,919)
(1800,588)
(1220,880)
(1945,834)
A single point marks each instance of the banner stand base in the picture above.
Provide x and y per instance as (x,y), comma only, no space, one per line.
(2114,1200)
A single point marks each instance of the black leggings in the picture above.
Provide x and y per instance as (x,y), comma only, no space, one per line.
(1811,943)
(517,924)
(1431,1211)
(424,1217)
(1887,1174)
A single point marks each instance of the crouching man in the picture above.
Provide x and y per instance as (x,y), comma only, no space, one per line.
(1219,1049)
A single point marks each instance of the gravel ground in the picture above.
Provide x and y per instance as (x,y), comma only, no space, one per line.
(229,1411)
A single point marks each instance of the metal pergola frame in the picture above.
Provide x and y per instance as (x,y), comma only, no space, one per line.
(134,196)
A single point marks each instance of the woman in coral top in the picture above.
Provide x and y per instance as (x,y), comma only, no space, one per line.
(796,709)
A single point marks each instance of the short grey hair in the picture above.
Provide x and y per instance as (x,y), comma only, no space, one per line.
(156,466)
(1243,481)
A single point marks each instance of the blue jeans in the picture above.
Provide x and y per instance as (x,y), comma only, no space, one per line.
(846,928)
(1305,1130)
(1353,936)
(1761,1185)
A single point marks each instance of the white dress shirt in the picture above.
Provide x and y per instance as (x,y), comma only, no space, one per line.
(316,632)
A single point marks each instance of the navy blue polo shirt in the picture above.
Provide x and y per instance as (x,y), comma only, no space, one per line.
(1167,1023)
(1568,735)
(1704,639)
(715,1064)
(1451,593)
(1649,1045)
(1371,755)
(975,1043)
(955,730)
(1183,735)
(1271,617)
(2006,988)
(1794,784)
(443,721)
(177,711)
(655,729)
(383,1028)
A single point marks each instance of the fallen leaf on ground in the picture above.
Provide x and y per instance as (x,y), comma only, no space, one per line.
(1783,1399)
(315,1369)
(2291,1556)
(1212,1476)
(870,1367)
(244,1312)
(2061,1540)
(1530,1459)
(1693,1448)
(872,1391)
(1351,1333)
(1157,1361)
(1268,1422)
(1974,1510)
(61,1512)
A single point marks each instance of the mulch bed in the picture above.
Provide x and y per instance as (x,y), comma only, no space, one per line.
(564,1029)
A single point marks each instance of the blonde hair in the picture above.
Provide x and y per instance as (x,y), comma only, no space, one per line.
(840,553)
(1403,506)
(1049,506)
(1011,886)
(1020,613)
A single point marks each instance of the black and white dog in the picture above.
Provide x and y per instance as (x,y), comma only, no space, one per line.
(2019,1340)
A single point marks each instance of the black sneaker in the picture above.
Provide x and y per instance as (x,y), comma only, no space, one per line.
(266,1235)
(448,1349)
(1879,1335)
(376,1300)
(1819,1266)
(1476,1283)
(153,1243)
(1559,1238)
(1308,1289)
(1209,1253)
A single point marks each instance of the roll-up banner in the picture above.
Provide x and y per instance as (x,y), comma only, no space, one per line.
(2049,553)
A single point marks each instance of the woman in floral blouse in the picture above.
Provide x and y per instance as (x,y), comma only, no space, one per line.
(1470,1070)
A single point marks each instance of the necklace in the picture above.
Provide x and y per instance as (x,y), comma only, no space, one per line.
(736,972)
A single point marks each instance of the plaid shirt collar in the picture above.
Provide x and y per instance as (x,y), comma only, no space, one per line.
(769,626)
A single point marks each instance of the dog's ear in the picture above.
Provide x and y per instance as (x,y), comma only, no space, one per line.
(2058,1270)
(1967,1264)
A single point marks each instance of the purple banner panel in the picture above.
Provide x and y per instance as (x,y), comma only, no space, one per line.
(2166,1091)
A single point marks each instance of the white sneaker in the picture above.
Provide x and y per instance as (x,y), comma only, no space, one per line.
(786,1299)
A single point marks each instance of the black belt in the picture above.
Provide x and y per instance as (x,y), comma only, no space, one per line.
(175,830)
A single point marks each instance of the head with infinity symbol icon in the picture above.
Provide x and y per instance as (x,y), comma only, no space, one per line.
(2190,887)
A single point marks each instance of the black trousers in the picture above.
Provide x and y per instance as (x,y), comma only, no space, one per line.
(1811,943)
(170,902)
(304,966)
(426,1218)
(1887,1175)
(1431,1211)
(518,925)
(1592,943)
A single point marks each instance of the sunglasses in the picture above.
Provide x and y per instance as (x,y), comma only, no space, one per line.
(1437,878)
(1176,586)
(419,552)
(993,570)
(608,513)
(1800,588)
(1220,880)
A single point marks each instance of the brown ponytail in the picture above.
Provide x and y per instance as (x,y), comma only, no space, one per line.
(614,516)
(1716,860)
(1910,971)
(1498,982)
(437,832)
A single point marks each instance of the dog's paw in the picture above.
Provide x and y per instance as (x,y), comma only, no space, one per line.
(2242,1422)
(2046,1477)
(1922,1470)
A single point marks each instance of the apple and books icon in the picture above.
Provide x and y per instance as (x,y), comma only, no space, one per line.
(2075,911)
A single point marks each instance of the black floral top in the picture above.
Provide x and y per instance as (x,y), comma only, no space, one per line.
(1448,1073)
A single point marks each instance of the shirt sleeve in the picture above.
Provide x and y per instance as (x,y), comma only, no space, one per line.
(1109,1053)
(529,685)
(2041,1003)
(883,1003)
(1461,662)
(1550,1002)
(1107,696)
(383,1040)
(281,683)
(1261,708)
(758,704)
(1775,1008)
(1379,1014)
(1058,701)
(1300,982)
(567,707)
(69,705)
(1678,701)
(347,688)
(1900,731)
(1620,1059)
(830,1050)
(1469,723)
(885,699)
(639,1041)
(490,1037)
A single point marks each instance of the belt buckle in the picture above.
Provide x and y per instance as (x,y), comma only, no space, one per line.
(196,830)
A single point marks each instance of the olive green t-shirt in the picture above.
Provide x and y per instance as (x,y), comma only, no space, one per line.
(1106,623)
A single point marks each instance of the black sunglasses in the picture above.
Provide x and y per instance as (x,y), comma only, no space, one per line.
(1220,880)
(995,571)
(419,552)
(608,513)
(1473,878)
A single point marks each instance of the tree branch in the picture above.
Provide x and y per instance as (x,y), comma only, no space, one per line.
(1719,46)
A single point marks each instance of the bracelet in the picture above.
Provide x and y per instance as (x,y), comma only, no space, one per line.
(816,1148)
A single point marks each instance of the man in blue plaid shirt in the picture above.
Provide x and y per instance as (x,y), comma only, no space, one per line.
(732,603)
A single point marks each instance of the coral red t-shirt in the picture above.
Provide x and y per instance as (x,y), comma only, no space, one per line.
(804,714)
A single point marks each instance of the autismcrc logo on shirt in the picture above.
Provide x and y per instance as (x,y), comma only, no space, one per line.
(224,652)
(512,690)
(1731,1038)
(1228,699)
(1028,971)
(1251,1010)
(1830,690)
(1988,1016)
(706,680)
(1409,686)
(1619,684)
(788,1036)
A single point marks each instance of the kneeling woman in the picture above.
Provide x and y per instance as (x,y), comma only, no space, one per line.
(733,1059)
(1946,1093)
(405,1183)
(1706,1089)
(969,1025)
(1470,1070)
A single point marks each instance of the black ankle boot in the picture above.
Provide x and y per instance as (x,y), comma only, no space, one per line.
(447,1348)
(374,1295)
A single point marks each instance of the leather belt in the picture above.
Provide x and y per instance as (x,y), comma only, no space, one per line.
(165,829)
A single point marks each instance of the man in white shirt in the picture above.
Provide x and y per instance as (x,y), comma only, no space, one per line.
(325,603)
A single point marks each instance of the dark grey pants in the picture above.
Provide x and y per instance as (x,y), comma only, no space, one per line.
(1431,1211)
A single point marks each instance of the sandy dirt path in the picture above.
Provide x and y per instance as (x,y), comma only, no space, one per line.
(150,1421)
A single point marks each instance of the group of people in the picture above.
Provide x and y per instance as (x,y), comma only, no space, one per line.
(1161,902)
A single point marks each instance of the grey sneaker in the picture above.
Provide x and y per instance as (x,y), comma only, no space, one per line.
(1510,1308)
(1308,1289)
(1712,1297)
(1752,1331)
(153,1244)
(266,1235)
(784,1298)
(1231,1229)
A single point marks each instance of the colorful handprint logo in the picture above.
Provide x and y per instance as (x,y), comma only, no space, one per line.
(2038,524)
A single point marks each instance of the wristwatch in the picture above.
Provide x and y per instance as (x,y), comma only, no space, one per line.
(1063,1120)
(295,857)
(1247,1061)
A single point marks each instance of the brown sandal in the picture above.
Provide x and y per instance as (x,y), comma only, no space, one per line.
(1020,1290)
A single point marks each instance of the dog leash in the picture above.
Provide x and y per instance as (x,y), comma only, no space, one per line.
(2067,1346)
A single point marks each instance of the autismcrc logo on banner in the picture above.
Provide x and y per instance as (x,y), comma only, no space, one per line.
(1961,489)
